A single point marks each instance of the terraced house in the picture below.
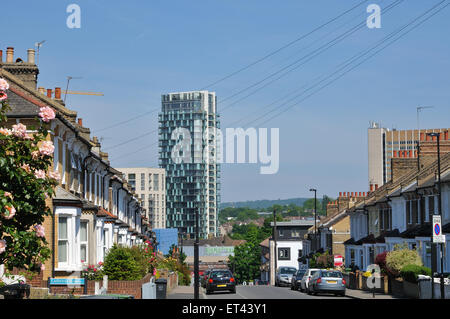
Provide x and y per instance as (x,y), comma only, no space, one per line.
(401,210)
(93,206)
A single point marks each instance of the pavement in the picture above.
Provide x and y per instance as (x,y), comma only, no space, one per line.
(269,292)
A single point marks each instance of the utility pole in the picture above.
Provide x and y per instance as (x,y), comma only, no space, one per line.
(274,235)
(419,108)
(438,137)
(315,215)
(196,257)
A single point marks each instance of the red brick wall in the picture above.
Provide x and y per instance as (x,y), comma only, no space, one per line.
(125,287)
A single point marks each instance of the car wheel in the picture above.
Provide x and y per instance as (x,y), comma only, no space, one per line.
(233,291)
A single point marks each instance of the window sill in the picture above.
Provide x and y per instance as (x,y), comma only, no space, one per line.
(69,268)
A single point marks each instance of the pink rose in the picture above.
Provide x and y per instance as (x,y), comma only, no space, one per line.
(54,175)
(35,155)
(26,167)
(8,194)
(3,96)
(40,231)
(19,130)
(39,173)
(42,267)
(47,113)
(5,131)
(3,85)
(47,148)
(12,212)
(2,246)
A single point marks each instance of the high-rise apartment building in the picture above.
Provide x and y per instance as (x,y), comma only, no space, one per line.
(187,138)
(149,184)
(383,143)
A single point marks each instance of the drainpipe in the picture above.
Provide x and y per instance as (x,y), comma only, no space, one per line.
(84,178)
(53,242)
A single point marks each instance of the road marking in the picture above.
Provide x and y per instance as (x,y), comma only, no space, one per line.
(241,295)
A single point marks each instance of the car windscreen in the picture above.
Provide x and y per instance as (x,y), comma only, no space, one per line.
(288,271)
(220,274)
(300,273)
(332,274)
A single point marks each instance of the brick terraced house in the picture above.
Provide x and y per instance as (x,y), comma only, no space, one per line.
(93,207)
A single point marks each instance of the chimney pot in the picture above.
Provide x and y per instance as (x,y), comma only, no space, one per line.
(371,187)
(422,136)
(340,194)
(80,121)
(9,55)
(49,93)
(352,195)
(41,90)
(446,135)
(57,93)
(1,56)
(376,186)
(31,55)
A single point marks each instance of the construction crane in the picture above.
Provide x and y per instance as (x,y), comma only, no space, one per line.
(83,93)
(77,92)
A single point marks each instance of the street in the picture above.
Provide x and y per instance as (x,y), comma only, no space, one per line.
(265,292)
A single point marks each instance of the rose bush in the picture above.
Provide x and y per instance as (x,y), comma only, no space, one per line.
(25,157)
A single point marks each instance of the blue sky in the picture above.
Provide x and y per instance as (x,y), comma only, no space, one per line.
(134,51)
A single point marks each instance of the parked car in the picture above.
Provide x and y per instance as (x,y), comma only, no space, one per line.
(284,276)
(297,278)
(327,281)
(306,278)
(219,280)
(204,278)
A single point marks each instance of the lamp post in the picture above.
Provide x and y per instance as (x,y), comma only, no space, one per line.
(438,137)
(274,235)
(196,257)
(315,215)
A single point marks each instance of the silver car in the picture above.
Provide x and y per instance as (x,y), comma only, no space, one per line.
(306,278)
(284,276)
(327,281)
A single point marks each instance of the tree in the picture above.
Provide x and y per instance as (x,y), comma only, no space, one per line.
(246,261)
(25,184)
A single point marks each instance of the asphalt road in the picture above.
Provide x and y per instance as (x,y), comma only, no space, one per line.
(265,292)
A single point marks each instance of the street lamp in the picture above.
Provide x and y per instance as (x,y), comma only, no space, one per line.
(438,135)
(196,257)
(274,235)
(315,209)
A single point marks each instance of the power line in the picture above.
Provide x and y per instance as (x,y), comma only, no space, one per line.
(283,47)
(126,121)
(375,53)
(131,140)
(312,54)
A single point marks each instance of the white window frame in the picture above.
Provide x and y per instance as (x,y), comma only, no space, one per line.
(85,243)
(73,215)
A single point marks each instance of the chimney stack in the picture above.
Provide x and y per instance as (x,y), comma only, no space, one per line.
(9,55)
(49,93)
(57,93)
(31,56)
(80,122)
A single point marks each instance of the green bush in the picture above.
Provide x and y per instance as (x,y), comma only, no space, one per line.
(141,260)
(411,272)
(400,257)
(120,264)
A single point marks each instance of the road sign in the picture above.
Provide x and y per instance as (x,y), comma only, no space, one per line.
(437,230)
(338,260)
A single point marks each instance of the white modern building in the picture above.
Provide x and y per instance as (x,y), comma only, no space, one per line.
(149,184)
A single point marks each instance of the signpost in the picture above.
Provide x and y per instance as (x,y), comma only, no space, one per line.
(438,238)
(338,260)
